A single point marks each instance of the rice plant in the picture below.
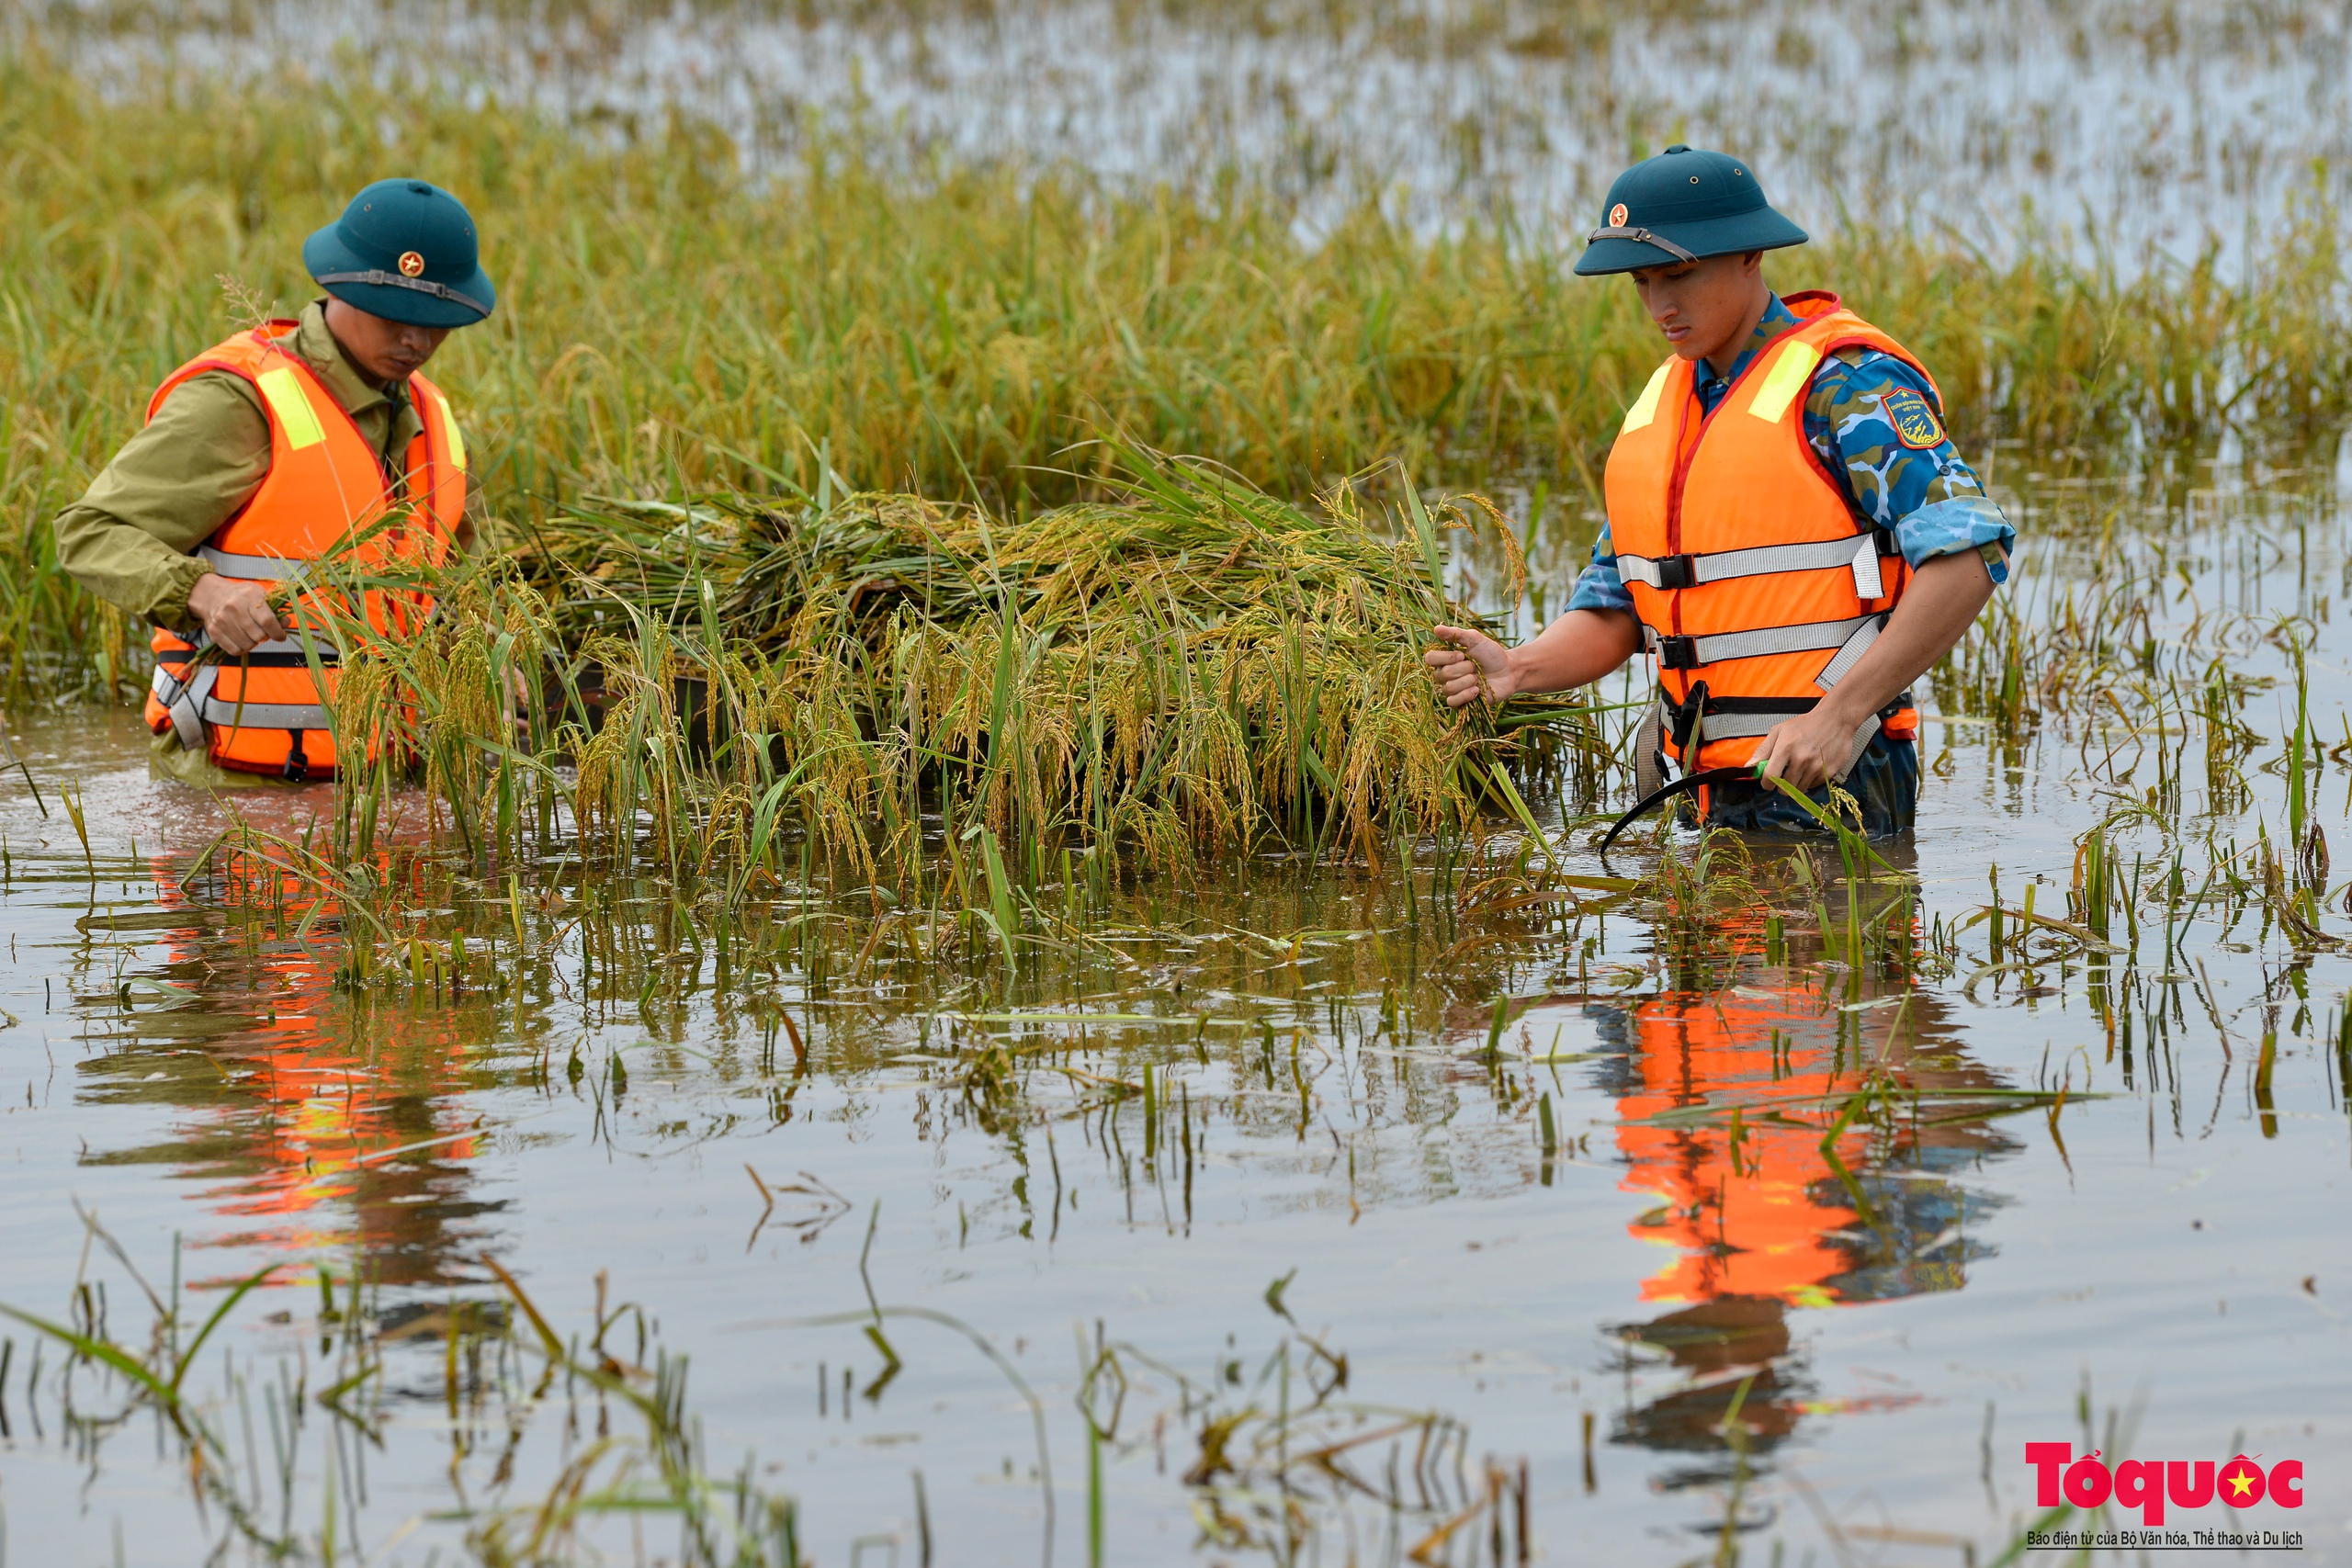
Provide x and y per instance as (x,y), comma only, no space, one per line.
(1184,672)
(681,322)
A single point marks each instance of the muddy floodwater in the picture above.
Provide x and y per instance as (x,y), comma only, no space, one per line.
(1246,1225)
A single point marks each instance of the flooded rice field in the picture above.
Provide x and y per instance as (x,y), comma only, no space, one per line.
(2122,123)
(1718,1204)
(612,1156)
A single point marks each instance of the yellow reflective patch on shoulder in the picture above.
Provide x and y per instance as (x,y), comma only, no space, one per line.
(295,416)
(449,436)
(1781,384)
(1645,407)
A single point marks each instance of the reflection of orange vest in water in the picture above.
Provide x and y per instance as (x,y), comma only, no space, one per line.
(1750,572)
(326,494)
(1758,1219)
(306,1126)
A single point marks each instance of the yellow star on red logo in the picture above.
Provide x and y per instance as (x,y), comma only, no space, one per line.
(2241,1481)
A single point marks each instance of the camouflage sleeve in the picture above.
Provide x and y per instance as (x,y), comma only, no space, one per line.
(1598,586)
(1874,424)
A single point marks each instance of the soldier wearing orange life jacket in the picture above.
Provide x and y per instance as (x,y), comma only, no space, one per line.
(273,463)
(1791,536)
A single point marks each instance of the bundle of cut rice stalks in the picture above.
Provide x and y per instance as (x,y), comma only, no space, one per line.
(1191,669)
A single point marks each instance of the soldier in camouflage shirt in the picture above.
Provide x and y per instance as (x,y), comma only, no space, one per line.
(1785,637)
(1870,419)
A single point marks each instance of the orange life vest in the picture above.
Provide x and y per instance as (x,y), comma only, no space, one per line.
(326,494)
(1756,584)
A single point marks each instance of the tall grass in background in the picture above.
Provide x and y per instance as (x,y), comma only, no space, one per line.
(669,324)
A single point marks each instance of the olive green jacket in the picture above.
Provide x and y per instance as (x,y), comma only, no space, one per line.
(132,537)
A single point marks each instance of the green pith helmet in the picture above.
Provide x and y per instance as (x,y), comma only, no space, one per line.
(404,250)
(1680,206)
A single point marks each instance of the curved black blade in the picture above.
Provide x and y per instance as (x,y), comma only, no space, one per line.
(1688,783)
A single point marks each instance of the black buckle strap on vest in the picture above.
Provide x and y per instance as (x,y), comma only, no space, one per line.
(1677,653)
(259,660)
(1682,719)
(1678,571)
(297,766)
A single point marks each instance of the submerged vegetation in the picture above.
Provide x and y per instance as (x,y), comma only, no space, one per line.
(497,1373)
(560,1436)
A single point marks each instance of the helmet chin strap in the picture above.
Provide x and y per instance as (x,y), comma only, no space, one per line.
(380,280)
(1640,236)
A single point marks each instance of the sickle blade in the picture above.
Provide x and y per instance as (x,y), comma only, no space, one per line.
(1689,783)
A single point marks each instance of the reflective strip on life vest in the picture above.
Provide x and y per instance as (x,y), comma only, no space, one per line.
(1788,376)
(1755,717)
(1692,571)
(232,714)
(293,410)
(1736,726)
(1691,652)
(1868,582)
(193,700)
(327,655)
(1849,655)
(449,436)
(274,569)
(1645,407)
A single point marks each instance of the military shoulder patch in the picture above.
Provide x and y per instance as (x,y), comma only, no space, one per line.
(1915,421)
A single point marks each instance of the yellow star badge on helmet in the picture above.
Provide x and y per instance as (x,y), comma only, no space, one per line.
(1915,422)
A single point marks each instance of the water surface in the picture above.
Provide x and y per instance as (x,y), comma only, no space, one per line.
(1184,1169)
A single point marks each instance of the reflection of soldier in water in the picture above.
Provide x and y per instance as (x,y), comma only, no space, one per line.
(1758,1216)
(320,1123)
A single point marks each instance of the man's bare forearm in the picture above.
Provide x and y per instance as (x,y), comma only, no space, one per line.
(1576,650)
(1945,597)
